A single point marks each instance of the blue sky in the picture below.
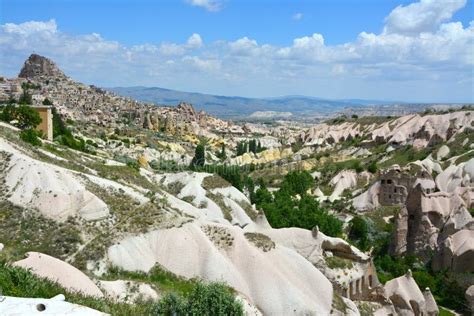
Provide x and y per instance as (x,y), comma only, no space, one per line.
(403,50)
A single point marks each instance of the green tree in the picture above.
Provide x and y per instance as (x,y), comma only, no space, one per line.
(222,155)
(27,117)
(47,101)
(359,232)
(8,113)
(30,136)
(25,98)
(199,159)
(297,182)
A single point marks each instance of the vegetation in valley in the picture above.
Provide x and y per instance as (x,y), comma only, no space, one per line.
(291,206)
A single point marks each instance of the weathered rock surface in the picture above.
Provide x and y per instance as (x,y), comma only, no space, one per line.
(54,191)
(128,291)
(470,297)
(61,272)
(38,66)
(14,306)
(407,297)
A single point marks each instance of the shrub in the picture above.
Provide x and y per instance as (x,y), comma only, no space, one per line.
(359,232)
(47,101)
(30,136)
(25,98)
(27,117)
(297,182)
(372,168)
(8,113)
(204,299)
(199,159)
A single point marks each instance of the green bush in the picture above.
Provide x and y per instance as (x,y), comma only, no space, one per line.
(372,168)
(199,159)
(31,136)
(8,113)
(359,232)
(27,117)
(204,299)
(297,182)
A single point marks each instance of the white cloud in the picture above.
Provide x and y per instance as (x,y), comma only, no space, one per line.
(209,5)
(423,16)
(194,41)
(297,16)
(421,61)
(31,27)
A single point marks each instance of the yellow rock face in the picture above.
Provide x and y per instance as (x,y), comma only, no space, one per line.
(143,161)
(173,147)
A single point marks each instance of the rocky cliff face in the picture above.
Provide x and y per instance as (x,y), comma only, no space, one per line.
(415,129)
(37,66)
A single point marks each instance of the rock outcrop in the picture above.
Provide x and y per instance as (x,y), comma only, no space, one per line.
(61,272)
(37,66)
(470,297)
(407,297)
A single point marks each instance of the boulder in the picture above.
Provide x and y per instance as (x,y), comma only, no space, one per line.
(442,153)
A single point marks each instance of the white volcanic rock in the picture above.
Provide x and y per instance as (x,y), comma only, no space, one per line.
(430,303)
(54,191)
(345,179)
(59,271)
(442,153)
(413,129)
(457,252)
(456,176)
(128,291)
(323,134)
(278,281)
(470,297)
(15,306)
(368,200)
(406,296)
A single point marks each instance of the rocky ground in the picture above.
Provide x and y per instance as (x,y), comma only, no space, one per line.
(124,218)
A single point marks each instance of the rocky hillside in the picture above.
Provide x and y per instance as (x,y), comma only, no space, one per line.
(129,213)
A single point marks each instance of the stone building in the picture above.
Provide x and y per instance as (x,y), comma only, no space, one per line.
(396,183)
(46,125)
(394,186)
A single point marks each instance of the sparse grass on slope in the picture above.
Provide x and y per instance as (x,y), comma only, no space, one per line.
(19,282)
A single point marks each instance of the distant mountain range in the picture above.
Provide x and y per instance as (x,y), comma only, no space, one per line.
(240,107)
(300,107)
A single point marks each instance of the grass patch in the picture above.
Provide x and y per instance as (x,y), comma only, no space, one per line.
(19,282)
(214,182)
(219,200)
(338,303)
(444,312)
(260,241)
(161,279)
(338,263)
(23,230)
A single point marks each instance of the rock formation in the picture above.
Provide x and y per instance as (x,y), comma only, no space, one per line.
(407,297)
(37,66)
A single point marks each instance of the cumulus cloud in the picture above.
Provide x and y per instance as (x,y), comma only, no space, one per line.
(209,5)
(423,16)
(194,41)
(297,16)
(431,51)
